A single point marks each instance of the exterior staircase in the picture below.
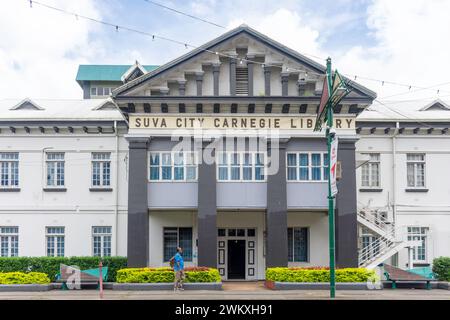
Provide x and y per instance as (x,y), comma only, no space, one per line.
(389,239)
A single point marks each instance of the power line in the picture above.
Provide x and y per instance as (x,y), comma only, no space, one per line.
(118,27)
(184,14)
(416,90)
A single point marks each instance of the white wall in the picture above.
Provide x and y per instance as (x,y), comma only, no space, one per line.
(427,209)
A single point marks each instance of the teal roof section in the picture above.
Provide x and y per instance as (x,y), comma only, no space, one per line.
(105,72)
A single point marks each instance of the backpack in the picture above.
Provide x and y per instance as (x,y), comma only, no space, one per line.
(172,261)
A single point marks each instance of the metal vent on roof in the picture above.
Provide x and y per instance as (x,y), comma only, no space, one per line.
(241,81)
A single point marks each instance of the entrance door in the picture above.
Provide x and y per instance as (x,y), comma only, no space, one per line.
(236,259)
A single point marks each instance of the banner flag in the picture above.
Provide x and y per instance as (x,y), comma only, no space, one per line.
(321,113)
(333,165)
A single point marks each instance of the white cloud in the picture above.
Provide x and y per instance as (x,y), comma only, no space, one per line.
(410,47)
(41,49)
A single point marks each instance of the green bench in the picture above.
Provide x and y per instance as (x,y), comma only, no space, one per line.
(89,276)
(396,275)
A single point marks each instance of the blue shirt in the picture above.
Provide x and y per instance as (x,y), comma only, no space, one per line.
(178,260)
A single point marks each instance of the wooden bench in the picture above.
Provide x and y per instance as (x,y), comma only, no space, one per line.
(395,275)
(86,277)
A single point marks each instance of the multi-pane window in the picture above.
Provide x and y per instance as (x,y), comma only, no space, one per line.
(101,91)
(9,241)
(240,166)
(419,234)
(177,237)
(101,241)
(55,241)
(9,162)
(55,169)
(297,244)
(415,165)
(370,172)
(173,166)
(307,166)
(101,169)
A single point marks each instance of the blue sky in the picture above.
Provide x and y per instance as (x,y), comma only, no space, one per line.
(399,41)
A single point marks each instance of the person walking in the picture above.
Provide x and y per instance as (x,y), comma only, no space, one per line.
(178,268)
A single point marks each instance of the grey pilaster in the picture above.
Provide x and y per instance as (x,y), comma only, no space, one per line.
(182,87)
(267,80)
(216,73)
(250,65)
(276,215)
(232,76)
(207,213)
(284,83)
(346,206)
(164,92)
(138,216)
(86,89)
(301,85)
(199,81)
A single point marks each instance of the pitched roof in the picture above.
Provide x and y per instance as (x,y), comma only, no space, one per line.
(105,72)
(309,63)
(59,110)
(406,111)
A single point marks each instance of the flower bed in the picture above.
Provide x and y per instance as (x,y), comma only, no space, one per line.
(166,275)
(315,274)
(8,278)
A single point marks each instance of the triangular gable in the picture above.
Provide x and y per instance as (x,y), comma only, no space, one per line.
(107,104)
(135,71)
(27,104)
(436,105)
(243,29)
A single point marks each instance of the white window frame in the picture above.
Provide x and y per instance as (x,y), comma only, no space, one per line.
(323,166)
(308,246)
(103,159)
(8,160)
(186,259)
(186,164)
(424,237)
(6,233)
(241,165)
(370,165)
(415,164)
(54,162)
(91,90)
(55,236)
(102,235)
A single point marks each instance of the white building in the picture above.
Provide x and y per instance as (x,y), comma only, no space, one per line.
(403,192)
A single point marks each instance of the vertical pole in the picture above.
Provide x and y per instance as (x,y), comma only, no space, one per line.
(330,197)
(100,265)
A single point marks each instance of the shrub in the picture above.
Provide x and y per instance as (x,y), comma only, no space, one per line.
(164,274)
(318,275)
(50,265)
(441,268)
(23,278)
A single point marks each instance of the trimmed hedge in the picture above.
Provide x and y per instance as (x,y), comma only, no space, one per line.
(24,278)
(162,275)
(50,265)
(318,275)
(441,268)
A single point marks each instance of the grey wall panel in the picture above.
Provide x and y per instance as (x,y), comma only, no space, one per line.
(346,206)
(172,195)
(138,216)
(307,144)
(207,215)
(307,195)
(276,214)
(241,195)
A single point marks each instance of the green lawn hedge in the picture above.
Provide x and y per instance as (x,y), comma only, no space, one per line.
(23,278)
(160,275)
(50,265)
(441,268)
(318,275)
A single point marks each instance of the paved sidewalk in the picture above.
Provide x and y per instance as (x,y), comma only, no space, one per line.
(398,294)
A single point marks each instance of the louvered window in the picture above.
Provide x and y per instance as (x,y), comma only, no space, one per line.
(242,81)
